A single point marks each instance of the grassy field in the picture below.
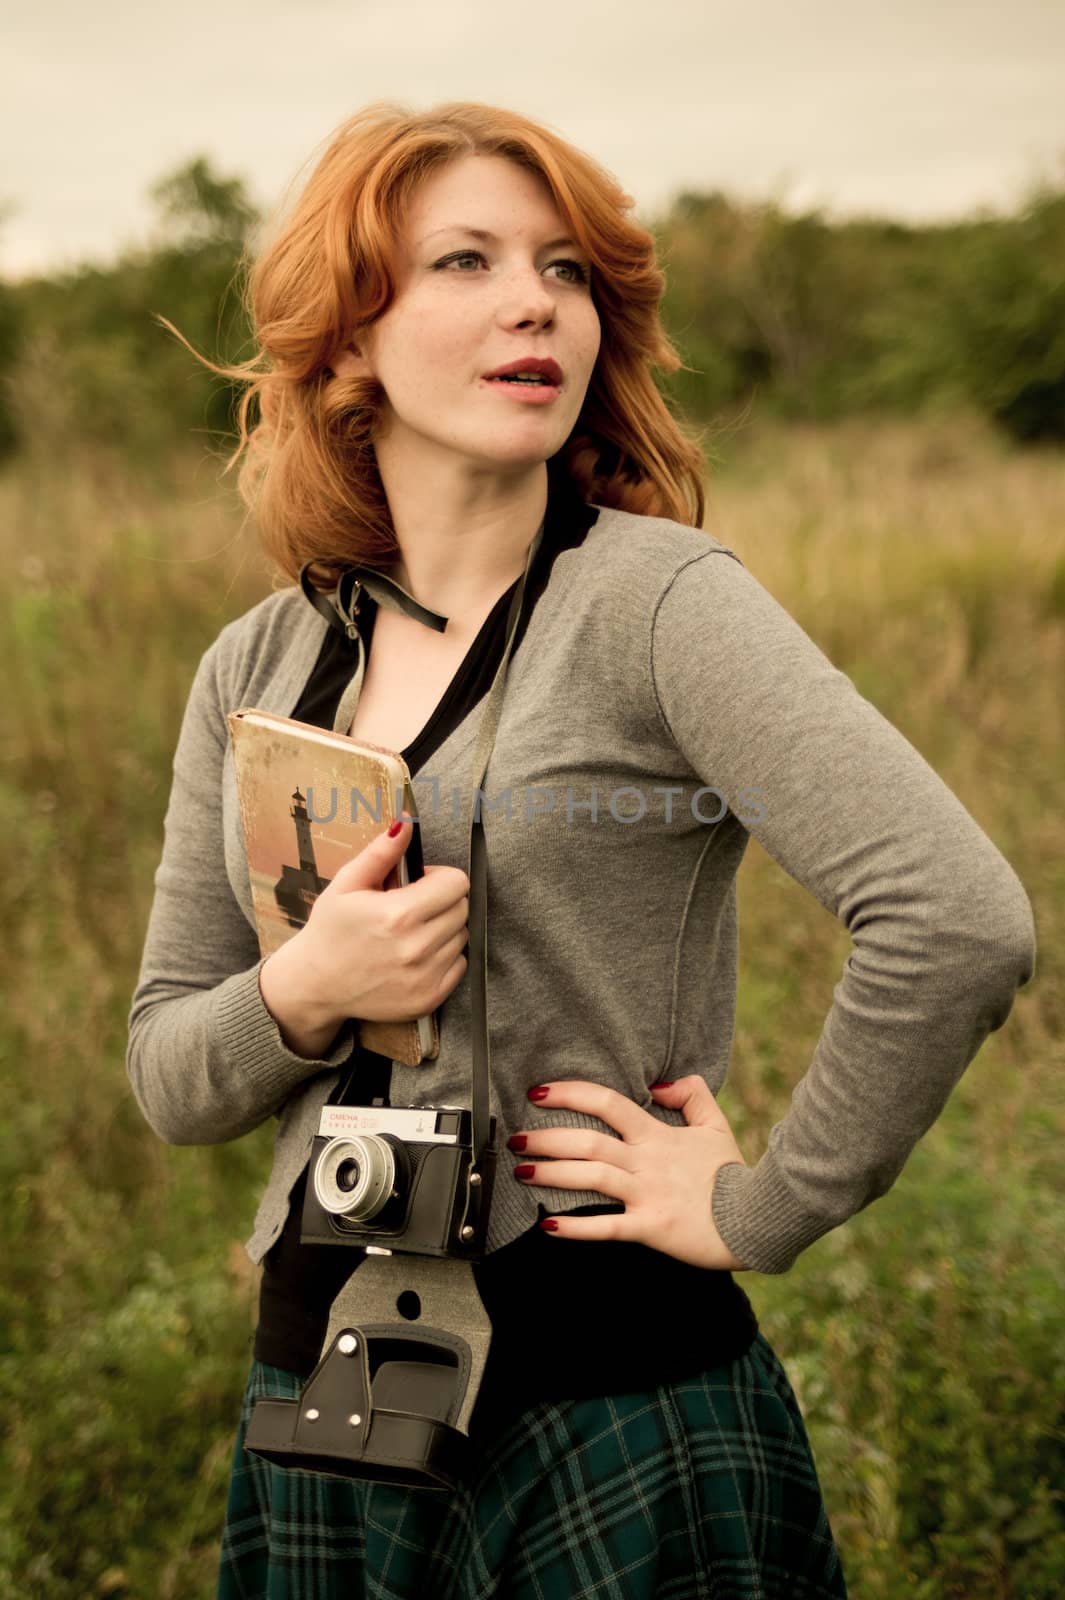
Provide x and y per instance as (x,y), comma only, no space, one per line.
(924,1338)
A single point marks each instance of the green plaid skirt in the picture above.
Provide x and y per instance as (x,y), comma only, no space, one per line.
(704,1487)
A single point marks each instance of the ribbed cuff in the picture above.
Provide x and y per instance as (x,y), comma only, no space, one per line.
(755,1213)
(252,1039)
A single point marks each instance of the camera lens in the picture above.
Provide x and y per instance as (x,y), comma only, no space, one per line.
(354,1176)
(348,1176)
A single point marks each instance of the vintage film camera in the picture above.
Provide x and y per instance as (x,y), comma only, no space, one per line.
(404,1353)
(399,1178)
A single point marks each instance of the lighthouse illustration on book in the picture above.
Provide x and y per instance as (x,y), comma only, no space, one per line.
(299,887)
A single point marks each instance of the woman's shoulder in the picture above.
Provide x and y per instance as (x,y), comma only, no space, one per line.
(636,536)
(260,641)
(645,553)
(278,615)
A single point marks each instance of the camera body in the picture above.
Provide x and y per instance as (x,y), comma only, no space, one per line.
(399,1178)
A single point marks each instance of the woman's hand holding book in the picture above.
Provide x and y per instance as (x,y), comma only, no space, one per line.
(367,952)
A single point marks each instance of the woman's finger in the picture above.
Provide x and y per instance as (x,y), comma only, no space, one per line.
(578,1144)
(612,1226)
(616,1110)
(602,1176)
(694,1097)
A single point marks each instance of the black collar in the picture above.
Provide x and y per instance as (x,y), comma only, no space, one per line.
(566,522)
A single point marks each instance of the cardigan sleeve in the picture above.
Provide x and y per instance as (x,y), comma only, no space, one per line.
(942,929)
(205,1057)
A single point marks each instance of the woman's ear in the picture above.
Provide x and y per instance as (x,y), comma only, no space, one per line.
(348,363)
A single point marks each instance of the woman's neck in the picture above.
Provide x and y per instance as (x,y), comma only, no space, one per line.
(458,555)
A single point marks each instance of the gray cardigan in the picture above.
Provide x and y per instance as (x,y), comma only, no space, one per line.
(660,708)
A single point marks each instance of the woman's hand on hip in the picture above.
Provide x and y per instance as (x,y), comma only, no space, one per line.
(663,1174)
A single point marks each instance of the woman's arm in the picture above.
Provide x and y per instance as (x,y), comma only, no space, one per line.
(205,1057)
(942,927)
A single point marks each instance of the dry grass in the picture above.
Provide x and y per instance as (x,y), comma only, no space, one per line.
(923,1338)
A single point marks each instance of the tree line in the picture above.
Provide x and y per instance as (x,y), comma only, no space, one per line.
(796,315)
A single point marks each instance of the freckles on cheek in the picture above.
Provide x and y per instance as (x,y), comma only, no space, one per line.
(440,338)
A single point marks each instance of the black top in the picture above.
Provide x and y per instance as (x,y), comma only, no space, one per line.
(570,1317)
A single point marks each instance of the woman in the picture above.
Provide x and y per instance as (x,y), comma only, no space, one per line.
(634,1433)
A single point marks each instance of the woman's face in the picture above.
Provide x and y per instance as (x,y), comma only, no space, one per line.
(466,306)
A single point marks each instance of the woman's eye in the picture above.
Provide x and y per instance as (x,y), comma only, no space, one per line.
(467,255)
(580,272)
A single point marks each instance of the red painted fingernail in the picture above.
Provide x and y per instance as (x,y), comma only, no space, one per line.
(517,1141)
(663,1083)
(393,831)
(525,1171)
(538,1094)
(549,1225)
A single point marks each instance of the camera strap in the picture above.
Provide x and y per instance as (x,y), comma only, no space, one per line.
(478,918)
(391,1400)
(341,610)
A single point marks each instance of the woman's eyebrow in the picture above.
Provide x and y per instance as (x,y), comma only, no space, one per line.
(491,238)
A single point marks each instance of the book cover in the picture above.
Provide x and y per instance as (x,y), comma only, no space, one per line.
(310,800)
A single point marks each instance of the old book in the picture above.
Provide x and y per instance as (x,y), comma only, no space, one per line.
(310,800)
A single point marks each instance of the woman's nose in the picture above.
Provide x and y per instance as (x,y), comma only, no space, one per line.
(520,303)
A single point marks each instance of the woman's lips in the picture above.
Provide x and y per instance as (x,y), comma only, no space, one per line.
(533,394)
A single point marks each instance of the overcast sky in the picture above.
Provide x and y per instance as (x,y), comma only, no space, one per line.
(910,108)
